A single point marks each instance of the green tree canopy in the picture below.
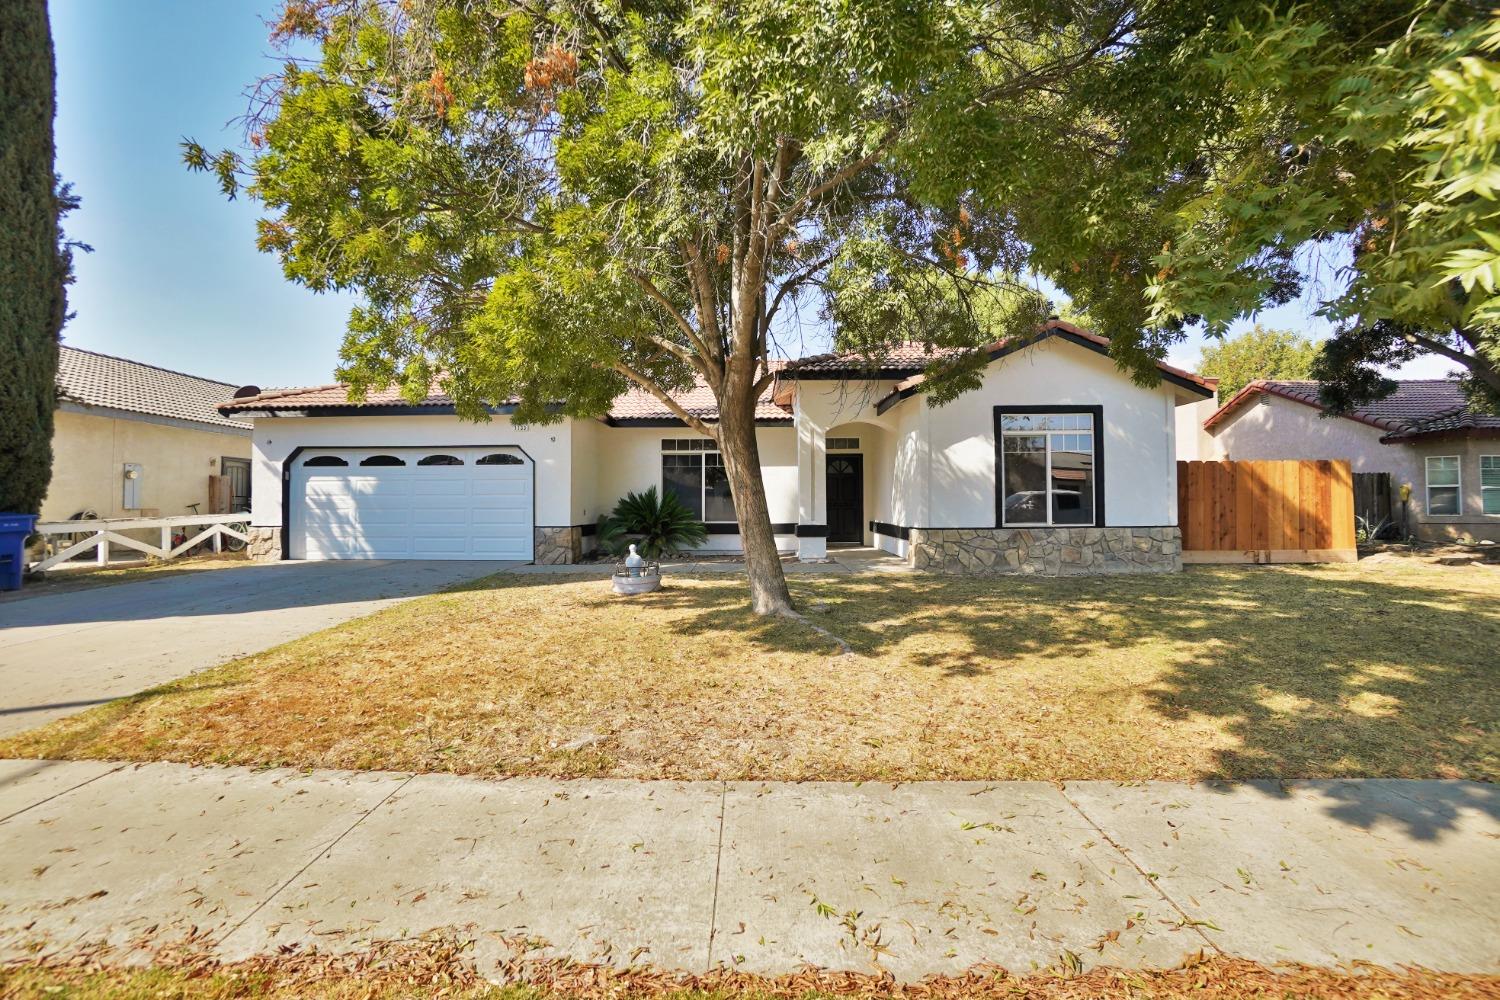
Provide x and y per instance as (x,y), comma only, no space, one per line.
(1258,353)
(1263,136)
(34,264)
(554,201)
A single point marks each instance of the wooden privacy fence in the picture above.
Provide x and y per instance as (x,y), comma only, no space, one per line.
(1259,512)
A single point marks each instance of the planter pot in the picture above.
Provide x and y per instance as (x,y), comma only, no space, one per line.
(629,586)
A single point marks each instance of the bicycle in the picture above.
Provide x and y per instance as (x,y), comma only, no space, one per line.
(228,543)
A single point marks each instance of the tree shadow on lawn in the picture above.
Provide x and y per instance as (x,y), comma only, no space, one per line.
(1315,674)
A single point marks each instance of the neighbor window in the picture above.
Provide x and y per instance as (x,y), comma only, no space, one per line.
(1442,484)
(1489,483)
(694,474)
(1047,468)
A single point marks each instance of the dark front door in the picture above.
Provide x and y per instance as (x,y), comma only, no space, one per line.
(238,472)
(846,498)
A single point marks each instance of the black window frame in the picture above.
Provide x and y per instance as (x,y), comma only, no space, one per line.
(675,448)
(1096,414)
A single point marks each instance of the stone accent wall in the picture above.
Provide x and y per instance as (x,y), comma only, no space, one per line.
(265,544)
(1046,551)
(558,546)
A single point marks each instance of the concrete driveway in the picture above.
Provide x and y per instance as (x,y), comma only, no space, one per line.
(63,653)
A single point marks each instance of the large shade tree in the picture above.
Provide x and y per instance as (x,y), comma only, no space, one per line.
(1345,151)
(553,201)
(34,264)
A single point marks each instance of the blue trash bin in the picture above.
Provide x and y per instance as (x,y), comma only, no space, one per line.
(14,530)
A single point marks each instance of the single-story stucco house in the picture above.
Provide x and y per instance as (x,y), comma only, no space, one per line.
(1059,462)
(135,440)
(1424,435)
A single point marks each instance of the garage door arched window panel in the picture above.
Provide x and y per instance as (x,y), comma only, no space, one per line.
(1046,468)
(394,505)
(325,462)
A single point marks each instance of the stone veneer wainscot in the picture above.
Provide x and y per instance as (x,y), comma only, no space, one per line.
(1046,551)
(558,546)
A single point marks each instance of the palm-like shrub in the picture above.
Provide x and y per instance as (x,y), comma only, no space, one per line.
(656,524)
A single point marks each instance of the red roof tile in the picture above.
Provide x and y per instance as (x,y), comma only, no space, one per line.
(634,405)
(906,361)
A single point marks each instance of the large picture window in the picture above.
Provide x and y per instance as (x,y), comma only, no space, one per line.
(1047,471)
(695,474)
(1442,484)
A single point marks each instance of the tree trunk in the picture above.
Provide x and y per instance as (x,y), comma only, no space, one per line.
(32,281)
(768,591)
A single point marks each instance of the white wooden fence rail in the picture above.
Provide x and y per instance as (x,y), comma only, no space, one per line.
(106,531)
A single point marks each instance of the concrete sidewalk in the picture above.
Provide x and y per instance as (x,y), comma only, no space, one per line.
(916,879)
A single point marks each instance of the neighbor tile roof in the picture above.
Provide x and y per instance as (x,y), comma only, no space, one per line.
(92,379)
(634,405)
(1415,408)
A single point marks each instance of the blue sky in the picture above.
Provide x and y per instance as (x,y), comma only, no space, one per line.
(174,279)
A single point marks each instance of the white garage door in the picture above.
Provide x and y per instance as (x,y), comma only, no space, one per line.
(411,503)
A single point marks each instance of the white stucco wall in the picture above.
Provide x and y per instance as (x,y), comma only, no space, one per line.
(1194,444)
(276,437)
(627,459)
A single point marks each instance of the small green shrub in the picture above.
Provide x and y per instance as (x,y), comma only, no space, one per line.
(657,524)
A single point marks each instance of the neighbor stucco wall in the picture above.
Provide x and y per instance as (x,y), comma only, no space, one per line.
(1277,428)
(1471,521)
(276,437)
(628,459)
(90,452)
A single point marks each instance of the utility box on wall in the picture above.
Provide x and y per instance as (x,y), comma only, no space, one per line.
(134,487)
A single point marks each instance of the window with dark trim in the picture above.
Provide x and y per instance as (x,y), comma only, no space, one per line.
(1047,468)
(382,460)
(499,458)
(323,462)
(440,460)
(696,475)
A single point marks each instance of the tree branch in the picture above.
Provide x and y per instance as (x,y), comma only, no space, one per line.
(1479,366)
(649,287)
(707,430)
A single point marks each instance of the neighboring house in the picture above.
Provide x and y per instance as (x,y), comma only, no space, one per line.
(117,417)
(1059,462)
(1423,435)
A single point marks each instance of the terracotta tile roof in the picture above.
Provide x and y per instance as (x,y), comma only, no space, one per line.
(634,405)
(638,404)
(1416,407)
(92,379)
(906,361)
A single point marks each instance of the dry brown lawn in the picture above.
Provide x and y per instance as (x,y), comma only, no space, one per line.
(1387,670)
(404,971)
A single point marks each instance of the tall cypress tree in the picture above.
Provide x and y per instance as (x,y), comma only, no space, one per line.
(33,266)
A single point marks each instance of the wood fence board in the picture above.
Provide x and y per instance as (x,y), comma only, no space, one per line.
(1341,500)
(1266,511)
(1244,507)
(1228,491)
